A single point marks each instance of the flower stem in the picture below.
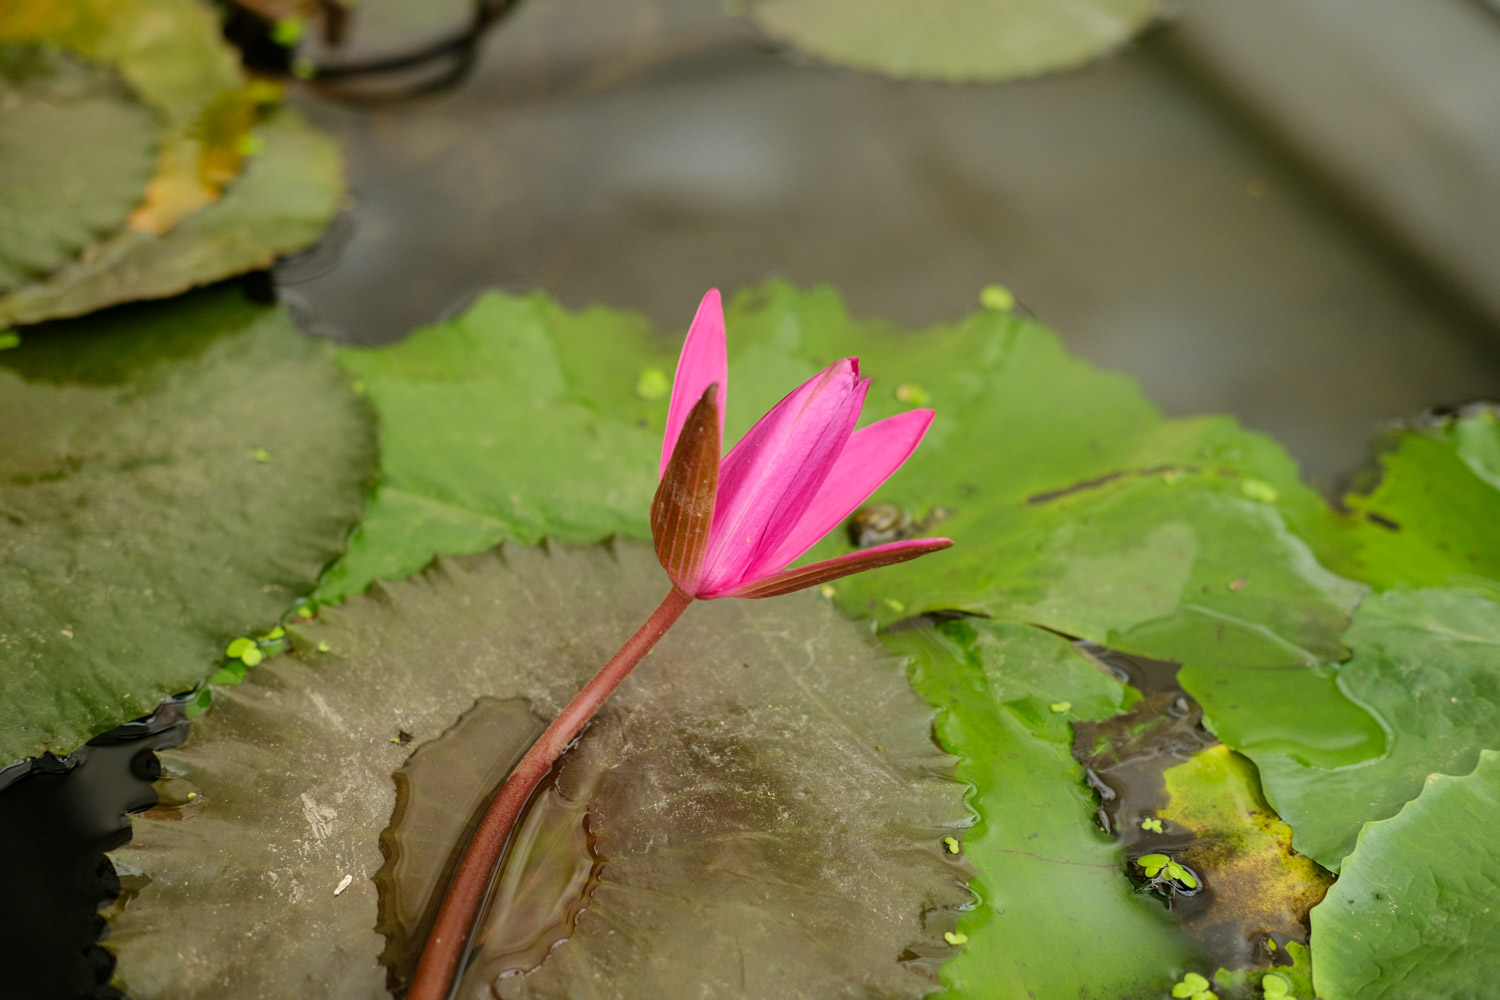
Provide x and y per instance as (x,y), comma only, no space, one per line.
(450,932)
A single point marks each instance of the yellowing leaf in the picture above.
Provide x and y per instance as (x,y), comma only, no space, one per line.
(173,54)
(1243,850)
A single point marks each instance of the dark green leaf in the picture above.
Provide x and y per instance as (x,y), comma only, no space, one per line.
(138,534)
(279,203)
(769,811)
(76,150)
(1413,914)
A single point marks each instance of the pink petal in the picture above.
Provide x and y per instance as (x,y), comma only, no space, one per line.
(872,454)
(769,478)
(803,577)
(704,361)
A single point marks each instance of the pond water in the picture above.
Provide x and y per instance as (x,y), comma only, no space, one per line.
(638,154)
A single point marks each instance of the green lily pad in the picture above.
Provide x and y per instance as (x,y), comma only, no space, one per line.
(768,805)
(1413,912)
(76,150)
(1427,663)
(1431,516)
(1057,916)
(1090,513)
(1426,516)
(517,421)
(138,535)
(955,40)
(280,203)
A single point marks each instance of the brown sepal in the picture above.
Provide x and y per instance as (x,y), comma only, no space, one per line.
(683,509)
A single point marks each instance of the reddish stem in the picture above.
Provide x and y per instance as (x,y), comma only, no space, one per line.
(450,932)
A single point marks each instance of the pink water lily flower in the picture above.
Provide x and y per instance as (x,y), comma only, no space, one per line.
(730,528)
(722,529)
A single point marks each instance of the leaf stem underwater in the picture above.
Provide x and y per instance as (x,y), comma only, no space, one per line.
(440,962)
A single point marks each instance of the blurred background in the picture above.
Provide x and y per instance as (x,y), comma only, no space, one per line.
(1288,210)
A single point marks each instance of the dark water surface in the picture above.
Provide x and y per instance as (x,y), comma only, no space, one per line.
(58,817)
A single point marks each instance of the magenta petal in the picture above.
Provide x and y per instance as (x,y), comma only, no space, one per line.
(788,581)
(872,454)
(767,480)
(704,361)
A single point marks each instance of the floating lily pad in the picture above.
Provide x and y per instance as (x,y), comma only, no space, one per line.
(1427,663)
(1425,516)
(279,203)
(173,55)
(1057,916)
(76,150)
(768,815)
(955,40)
(138,534)
(516,421)
(1413,912)
(1089,512)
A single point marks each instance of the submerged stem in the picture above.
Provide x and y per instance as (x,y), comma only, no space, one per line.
(450,932)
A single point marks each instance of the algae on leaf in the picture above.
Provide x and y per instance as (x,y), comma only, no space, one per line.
(76,150)
(955,40)
(138,533)
(768,812)
(1413,913)
(1261,887)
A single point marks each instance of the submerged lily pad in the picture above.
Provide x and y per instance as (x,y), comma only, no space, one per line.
(138,534)
(955,40)
(1189,813)
(1427,663)
(279,203)
(1413,912)
(76,150)
(1057,916)
(1260,886)
(768,815)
